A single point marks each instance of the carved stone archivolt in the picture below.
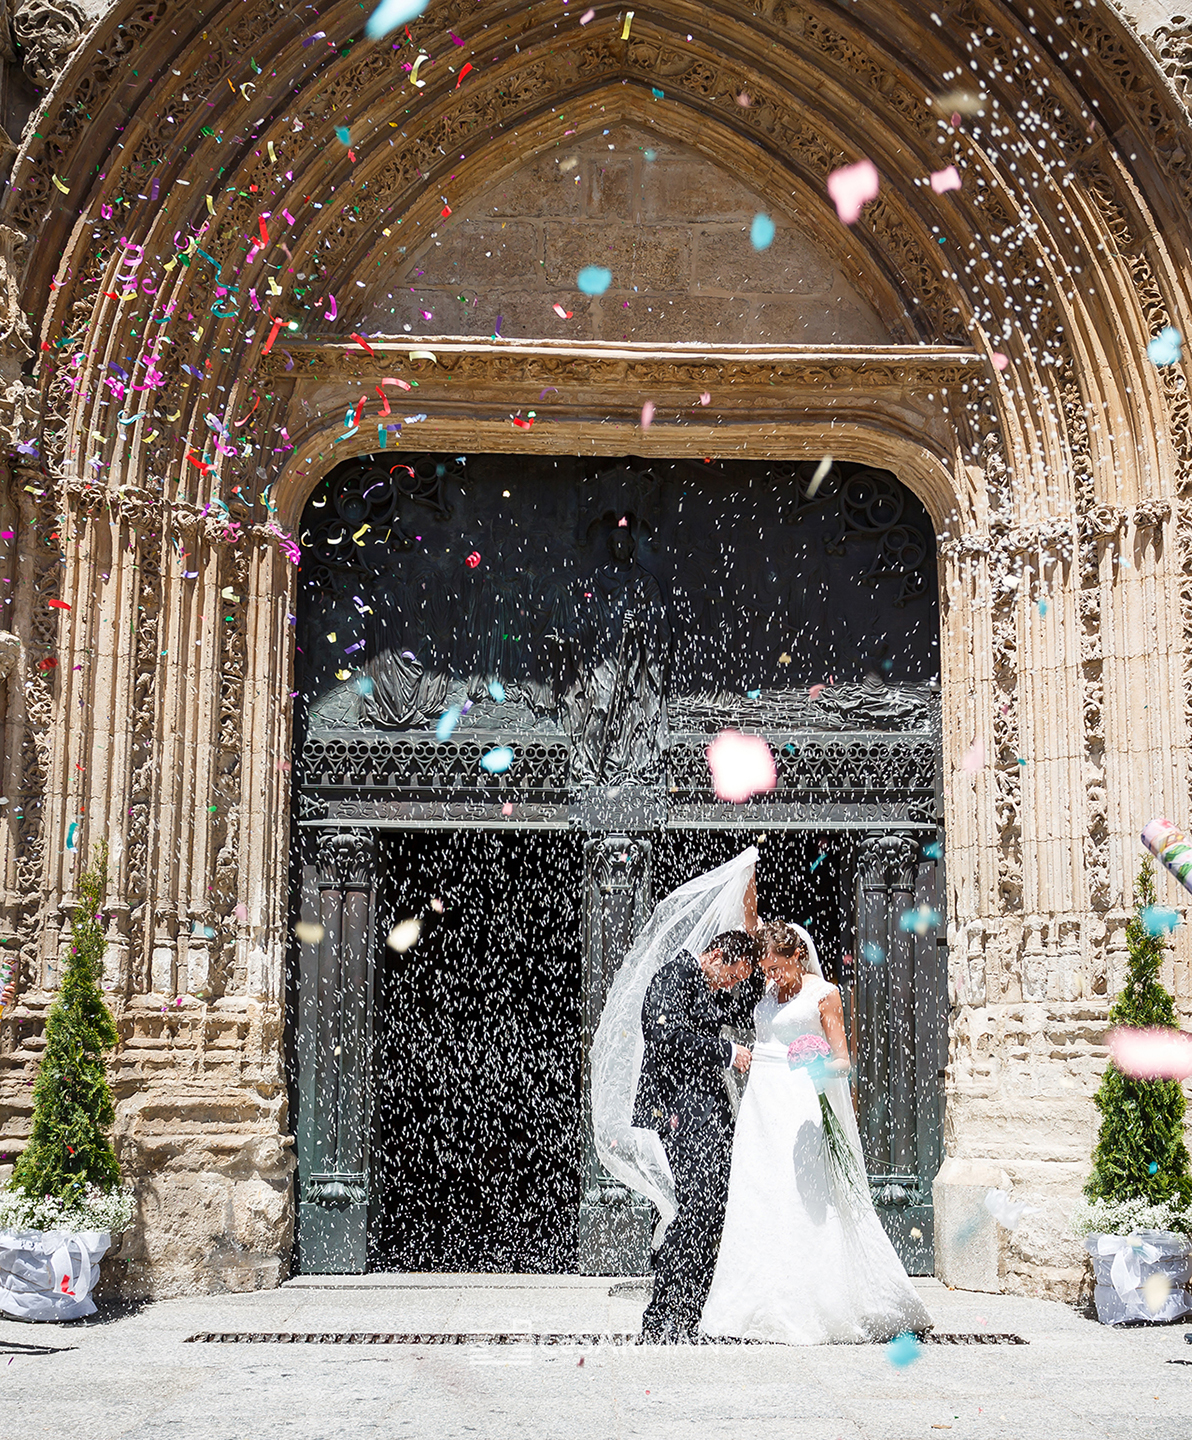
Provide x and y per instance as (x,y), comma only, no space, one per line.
(167,515)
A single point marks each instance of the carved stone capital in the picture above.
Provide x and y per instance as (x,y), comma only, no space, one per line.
(1151,514)
(85,495)
(347,858)
(48,33)
(888,860)
(10,649)
(617,863)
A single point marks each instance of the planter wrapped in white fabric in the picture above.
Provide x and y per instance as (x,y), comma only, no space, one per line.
(49,1274)
(1123,1264)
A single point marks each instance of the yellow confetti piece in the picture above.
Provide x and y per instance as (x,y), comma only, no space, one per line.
(229,594)
(175,416)
(343,674)
(364,529)
(272,152)
(210,205)
(625,27)
(424,355)
(274,287)
(61,185)
(414,80)
(151,436)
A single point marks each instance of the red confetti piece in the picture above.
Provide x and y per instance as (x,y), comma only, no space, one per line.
(49,663)
(264,232)
(522,424)
(473,560)
(58,604)
(363,343)
(446,210)
(268,345)
(462,73)
(359,409)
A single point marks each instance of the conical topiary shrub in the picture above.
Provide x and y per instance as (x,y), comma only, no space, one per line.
(69,1156)
(1141,1158)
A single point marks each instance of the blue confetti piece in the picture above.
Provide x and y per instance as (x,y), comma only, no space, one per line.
(1042,607)
(657,94)
(873,953)
(594,279)
(364,685)
(919,921)
(72,838)
(448,720)
(1152,1168)
(1166,348)
(1159,919)
(389,14)
(903,1350)
(753,694)
(343,134)
(761,232)
(934,851)
(496,691)
(497,761)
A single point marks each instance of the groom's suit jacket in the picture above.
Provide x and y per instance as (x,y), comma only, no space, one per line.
(685,1055)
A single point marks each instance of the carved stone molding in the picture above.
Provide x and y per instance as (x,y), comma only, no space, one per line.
(10,649)
(608,363)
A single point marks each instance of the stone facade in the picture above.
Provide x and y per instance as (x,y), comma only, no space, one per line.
(184,190)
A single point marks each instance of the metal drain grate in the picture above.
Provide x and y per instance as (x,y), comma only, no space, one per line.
(392,1337)
(980,1337)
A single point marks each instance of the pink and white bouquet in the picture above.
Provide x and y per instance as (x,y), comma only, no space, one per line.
(811,1053)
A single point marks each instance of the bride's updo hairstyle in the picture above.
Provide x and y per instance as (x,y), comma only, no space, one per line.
(782,937)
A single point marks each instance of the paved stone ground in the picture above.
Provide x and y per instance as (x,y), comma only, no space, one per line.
(131,1373)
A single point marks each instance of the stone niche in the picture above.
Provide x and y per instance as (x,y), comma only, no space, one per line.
(671,226)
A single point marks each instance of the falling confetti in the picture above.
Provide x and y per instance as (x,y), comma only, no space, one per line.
(404,935)
(852,187)
(1166,348)
(309,932)
(389,14)
(903,1350)
(741,766)
(1151,1054)
(761,232)
(497,761)
(944,180)
(594,279)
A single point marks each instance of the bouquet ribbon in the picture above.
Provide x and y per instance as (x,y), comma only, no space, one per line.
(1128,1253)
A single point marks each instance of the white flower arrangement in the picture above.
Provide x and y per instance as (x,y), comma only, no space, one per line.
(1124,1217)
(99,1210)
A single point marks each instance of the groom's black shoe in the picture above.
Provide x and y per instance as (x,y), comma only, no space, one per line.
(666,1333)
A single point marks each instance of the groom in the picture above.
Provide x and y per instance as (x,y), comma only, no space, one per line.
(682,1095)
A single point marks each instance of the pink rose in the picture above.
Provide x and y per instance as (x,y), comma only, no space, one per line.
(806,1050)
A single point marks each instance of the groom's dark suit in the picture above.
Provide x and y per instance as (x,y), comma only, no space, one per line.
(682,1095)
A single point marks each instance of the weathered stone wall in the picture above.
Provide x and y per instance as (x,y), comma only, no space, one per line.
(671,226)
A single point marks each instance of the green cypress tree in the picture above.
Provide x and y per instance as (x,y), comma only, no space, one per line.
(68,1146)
(1142,1121)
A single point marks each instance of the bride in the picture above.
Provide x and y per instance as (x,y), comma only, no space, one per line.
(803,1258)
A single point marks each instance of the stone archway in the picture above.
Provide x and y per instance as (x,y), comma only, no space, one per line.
(1062,251)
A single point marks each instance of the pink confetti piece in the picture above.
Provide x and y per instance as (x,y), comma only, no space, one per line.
(1154,1054)
(647,414)
(331,314)
(1000,361)
(944,180)
(973,758)
(705,397)
(741,766)
(816,691)
(852,187)
(587,16)
(562,314)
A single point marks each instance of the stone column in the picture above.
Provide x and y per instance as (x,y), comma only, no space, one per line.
(335,978)
(899,996)
(614,1223)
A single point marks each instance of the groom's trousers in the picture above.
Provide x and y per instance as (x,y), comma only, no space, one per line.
(700,1154)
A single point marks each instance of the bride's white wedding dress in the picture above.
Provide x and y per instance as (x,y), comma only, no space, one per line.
(800,1261)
